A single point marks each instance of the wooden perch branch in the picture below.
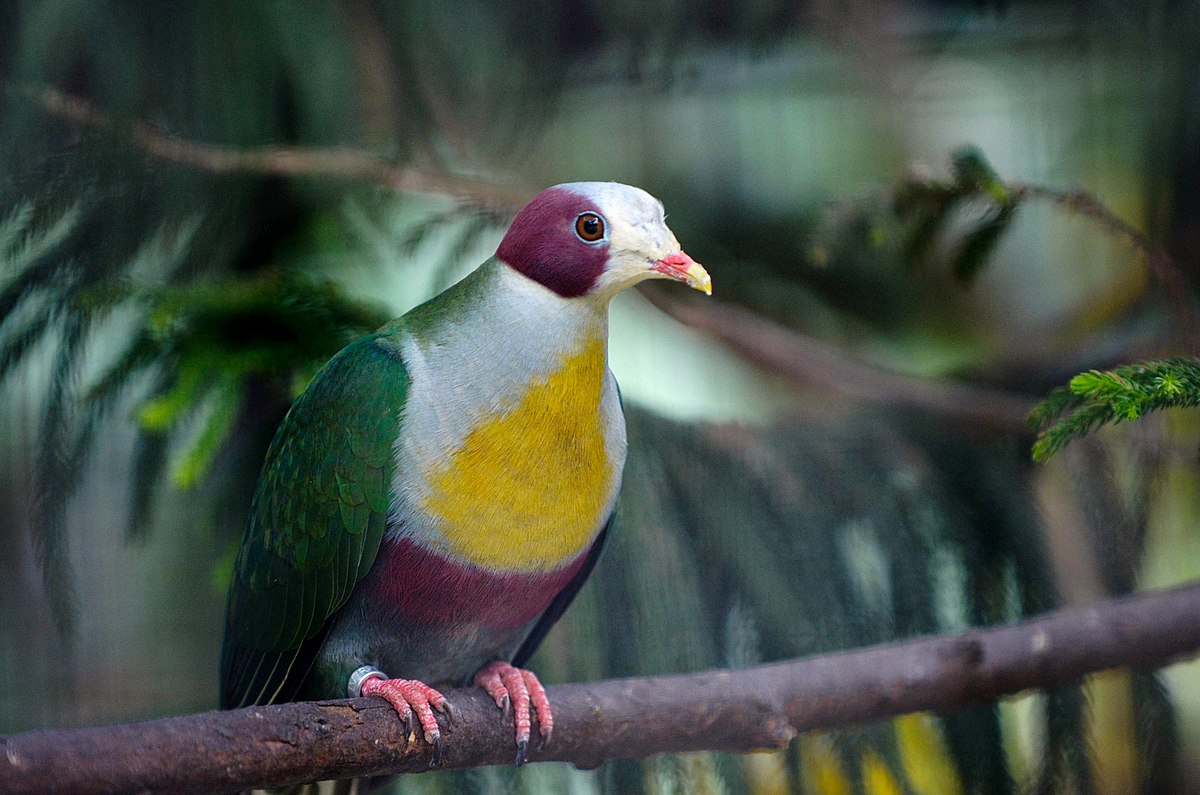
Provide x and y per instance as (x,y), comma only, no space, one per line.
(754,708)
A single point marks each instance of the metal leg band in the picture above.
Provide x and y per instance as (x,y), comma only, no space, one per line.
(359,678)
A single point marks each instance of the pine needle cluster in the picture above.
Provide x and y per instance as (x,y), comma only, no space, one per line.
(1097,398)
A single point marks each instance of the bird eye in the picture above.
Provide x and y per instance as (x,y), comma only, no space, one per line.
(589,227)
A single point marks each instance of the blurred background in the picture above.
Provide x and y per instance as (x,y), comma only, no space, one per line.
(201,202)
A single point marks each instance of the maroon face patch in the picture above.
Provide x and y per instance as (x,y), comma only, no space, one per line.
(543,243)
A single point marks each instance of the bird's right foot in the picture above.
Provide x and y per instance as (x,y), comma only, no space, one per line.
(409,697)
(518,690)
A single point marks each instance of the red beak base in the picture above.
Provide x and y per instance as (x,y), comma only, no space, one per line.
(680,267)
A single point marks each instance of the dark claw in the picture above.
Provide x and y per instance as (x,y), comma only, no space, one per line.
(408,725)
(522,745)
(437,759)
(506,708)
(543,738)
(452,714)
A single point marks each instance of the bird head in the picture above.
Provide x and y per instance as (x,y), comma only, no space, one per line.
(595,239)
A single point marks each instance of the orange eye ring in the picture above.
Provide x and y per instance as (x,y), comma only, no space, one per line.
(589,227)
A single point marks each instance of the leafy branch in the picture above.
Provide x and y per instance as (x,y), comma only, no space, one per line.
(1097,398)
(194,350)
(926,207)
(959,220)
(212,338)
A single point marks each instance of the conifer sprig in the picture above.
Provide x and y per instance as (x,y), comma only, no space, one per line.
(1097,398)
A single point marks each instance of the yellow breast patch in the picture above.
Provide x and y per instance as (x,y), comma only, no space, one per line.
(526,489)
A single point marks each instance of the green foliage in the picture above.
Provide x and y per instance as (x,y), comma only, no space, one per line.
(921,222)
(197,346)
(1095,398)
(214,338)
(925,208)
(883,262)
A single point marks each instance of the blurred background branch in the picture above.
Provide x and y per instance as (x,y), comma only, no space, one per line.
(341,164)
(809,362)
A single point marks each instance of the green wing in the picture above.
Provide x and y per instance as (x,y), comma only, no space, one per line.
(316,523)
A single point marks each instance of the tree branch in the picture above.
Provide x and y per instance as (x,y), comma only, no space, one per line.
(287,161)
(1169,275)
(810,362)
(754,708)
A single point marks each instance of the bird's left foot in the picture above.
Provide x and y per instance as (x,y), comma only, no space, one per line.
(518,689)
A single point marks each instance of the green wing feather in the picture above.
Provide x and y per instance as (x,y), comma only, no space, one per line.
(317,521)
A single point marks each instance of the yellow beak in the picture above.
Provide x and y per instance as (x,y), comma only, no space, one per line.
(680,267)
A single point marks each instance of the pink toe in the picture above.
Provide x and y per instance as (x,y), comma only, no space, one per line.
(410,694)
(506,685)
